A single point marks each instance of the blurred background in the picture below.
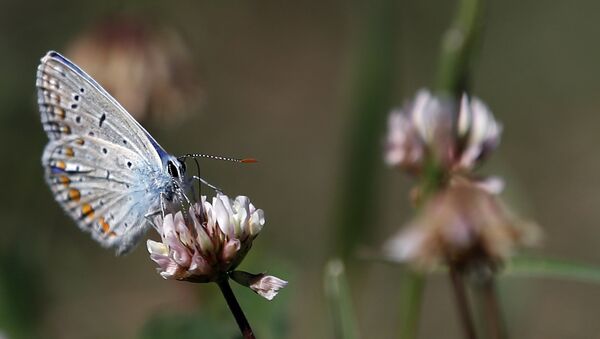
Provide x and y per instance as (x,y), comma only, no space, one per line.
(304,87)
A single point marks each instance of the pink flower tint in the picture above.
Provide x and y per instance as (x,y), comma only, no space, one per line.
(207,242)
(211,239)
(428,129)
(415,129)
(267,286)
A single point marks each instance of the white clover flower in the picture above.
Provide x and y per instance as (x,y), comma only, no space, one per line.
(429,129)
(209,242)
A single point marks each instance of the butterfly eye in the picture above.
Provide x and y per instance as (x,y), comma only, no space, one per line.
(172,169)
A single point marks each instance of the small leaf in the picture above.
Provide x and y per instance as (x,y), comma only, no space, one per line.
(552,268)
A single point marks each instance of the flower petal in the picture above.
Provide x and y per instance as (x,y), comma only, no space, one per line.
(257,221)
(222,216)
(157,247)
(267,286)
(230,250)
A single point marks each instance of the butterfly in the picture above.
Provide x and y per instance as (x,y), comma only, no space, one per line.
(104,169)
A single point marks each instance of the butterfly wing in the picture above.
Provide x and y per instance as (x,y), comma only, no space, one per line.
(104,169)
(72,103)
(99,190)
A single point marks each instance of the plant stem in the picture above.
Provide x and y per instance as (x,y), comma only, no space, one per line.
(338,294)
(235,308)
(370,92)
(412,295)
(462,303)
(493,314)
(458,47)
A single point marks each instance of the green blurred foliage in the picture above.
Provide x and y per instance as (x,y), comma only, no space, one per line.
(186,326)
(21,295)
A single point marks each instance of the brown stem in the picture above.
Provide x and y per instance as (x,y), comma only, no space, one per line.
(462,303)
(493,313)
(235,308)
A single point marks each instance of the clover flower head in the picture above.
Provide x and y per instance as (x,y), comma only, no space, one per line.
(209,241)
(431,128)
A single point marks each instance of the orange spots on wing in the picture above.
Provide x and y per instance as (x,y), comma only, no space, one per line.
(87,211)
(112,234)
(69,152)
(65,129)
(63,179)
(80,141)
(60,164)
(59,112)
(74,195)
(52,97)
(105,226)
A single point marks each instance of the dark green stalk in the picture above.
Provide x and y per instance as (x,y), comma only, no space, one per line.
(458,48)
(411,293)
(235,308)
(370,98)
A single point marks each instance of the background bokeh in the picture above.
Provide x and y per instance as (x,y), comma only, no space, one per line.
(279,83)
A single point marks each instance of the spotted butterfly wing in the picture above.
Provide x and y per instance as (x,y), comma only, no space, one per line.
(103,168)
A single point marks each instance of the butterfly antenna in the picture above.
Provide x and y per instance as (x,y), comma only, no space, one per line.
(217,157)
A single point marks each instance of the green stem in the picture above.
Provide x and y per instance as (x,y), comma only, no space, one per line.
(338,295)
(370,98)
(458,48)
(413,285)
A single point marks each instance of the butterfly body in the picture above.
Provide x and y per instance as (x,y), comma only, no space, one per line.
(102,166)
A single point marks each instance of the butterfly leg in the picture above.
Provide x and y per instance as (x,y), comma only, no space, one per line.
(184,197)
(215,188)
(148,216)
(162,204)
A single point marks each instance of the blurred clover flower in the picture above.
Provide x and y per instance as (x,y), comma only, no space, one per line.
(209,242)
(428,131)
(462,222)
(150,71)
(460,226)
